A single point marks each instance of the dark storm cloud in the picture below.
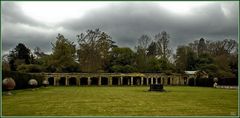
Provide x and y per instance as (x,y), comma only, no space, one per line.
(126,23)
(19,28)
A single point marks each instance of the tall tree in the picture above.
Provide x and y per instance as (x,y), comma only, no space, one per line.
(20,55)
(94,50)
(162,40)
(141,60)
(63,56)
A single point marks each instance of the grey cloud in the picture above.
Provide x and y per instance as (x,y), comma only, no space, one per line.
(127,22)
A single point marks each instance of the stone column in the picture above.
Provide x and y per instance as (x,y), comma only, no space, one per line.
(110,81)
(151,80)
(157,80)
(54,81)
(128,81)
(121,80)
(100,81)
(131,81)
(147,81)
(66,81)
(89,81)
(141,80)
(78,81)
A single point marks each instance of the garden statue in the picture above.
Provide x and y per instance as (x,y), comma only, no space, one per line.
(215,82)
(45,83)
(33,83)
(9,84)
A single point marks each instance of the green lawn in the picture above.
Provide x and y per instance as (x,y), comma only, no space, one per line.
(118,101)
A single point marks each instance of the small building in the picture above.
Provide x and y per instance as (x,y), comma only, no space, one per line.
(195,74)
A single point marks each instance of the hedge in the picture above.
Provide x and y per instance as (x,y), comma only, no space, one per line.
(208,82)
(21,79)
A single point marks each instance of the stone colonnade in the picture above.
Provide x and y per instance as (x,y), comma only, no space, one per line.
(109,79)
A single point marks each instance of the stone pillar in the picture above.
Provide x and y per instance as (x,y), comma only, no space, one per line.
(121,80)
(66,81)
(54,81)
(141,80)
(151,80)
(110,81)
(89,81)
(78,81)
(100,81)
(131,80)
(147,81)
(128,81)
(157,80)
(161,80)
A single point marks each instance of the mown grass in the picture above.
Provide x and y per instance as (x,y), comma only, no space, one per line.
(121,101)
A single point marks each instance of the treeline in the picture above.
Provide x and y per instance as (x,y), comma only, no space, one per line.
(97,52)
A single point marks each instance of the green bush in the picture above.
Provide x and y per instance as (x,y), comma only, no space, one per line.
(32,68)
(21,79)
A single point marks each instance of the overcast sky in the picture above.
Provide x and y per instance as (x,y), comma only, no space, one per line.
(38,23)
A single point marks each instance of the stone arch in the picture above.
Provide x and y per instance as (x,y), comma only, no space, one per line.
(115,80)
(145,81)
(72,81)
(51,81)
(83,81)
(168,81)
(104,81)
(159,80)
(62,81)
(94,81)
(136,80)
(126,81)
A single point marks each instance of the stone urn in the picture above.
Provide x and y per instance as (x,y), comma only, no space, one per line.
(45,83)
(33,83)
(9,84)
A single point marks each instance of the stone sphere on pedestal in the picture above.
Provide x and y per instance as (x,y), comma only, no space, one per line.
(33,83)
(45,83)
(9,84)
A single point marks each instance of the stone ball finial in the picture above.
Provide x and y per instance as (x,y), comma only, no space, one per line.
(45,83)
(9,84)
(33,82)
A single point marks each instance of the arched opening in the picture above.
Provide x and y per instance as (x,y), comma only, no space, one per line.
(125,80)
(62,81)
(136,80)
(72,81)
(145,81)
(51,81)
(168,82)
(114,80)
(94,81)
(83,81)
(149,81)
(104,81)
(159,80)
(154,80)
